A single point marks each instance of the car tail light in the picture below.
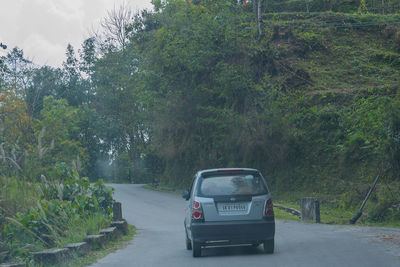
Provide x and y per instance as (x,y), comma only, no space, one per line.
(269,209)
(197,212)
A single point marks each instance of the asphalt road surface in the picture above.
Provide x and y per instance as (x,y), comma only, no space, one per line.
(160,240)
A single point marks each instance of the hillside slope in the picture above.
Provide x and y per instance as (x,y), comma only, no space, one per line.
(338,76)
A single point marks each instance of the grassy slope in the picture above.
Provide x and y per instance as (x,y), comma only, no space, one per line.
(327,59)
(341,53)
(340,62)
(356,60)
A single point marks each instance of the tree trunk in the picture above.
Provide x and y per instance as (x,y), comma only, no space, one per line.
(255,2)
(383,7)
(259,17)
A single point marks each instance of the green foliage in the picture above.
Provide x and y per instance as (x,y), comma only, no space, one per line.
(368,128)
(345,6)
(45,81)
(279,103)
(67,201)
(58,139)
(85,198)
(363,7)
(103,196)
(312,103)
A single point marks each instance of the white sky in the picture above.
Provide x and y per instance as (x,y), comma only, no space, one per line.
(43,28)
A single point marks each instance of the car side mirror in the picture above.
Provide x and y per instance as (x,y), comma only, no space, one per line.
(185,194)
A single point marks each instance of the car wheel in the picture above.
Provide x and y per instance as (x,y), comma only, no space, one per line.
(196,248)
(269,246)
(188,244)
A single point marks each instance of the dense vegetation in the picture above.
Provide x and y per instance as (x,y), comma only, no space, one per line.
(63,208)
(311,99)
(45,147)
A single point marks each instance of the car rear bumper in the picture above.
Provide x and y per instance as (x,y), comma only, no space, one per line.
(233,232)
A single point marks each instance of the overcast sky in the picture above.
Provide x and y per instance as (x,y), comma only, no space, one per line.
(43,28)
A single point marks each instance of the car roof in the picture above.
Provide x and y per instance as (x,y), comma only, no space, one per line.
(227,169)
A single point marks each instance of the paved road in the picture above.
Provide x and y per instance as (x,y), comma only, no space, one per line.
(160,240)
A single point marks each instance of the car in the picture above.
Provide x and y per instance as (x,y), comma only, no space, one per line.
(228,207)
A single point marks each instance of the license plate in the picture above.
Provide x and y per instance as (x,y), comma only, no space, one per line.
(226,207)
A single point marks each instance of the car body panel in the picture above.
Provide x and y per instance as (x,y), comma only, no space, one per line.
(254,209)
(234,232)
(228,219)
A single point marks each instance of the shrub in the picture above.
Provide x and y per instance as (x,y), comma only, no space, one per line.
(65,199)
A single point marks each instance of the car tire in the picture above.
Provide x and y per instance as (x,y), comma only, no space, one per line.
(269,246)
(196,249)
(188,244)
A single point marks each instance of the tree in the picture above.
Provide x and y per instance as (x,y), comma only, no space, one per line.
(123,103)
(17,71)
(16,131)
(46,81)
(115,26)
(257,10)
(58,134)
(2,67)
(72,91)
(363,7)
(93,132)
(201,79)
(88,58)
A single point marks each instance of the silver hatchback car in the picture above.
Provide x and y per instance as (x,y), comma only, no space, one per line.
(229,207)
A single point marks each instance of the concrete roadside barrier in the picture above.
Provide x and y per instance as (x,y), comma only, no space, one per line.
(96,241)
(53,256)
(111,233)
(59,256)
(122,226)
(79,249)
(310,209)
(117,211)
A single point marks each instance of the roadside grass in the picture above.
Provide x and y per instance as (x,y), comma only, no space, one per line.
(79,228)
(94,256)
(282,215)
(329,214)
(17,196)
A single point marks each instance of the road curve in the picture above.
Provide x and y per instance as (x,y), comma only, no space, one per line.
(160,240)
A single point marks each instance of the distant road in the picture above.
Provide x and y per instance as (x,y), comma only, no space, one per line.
(160,240)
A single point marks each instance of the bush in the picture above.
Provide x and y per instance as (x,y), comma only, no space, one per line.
(385,204)
(65,200)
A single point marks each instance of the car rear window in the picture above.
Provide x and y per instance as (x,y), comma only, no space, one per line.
(243,184)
